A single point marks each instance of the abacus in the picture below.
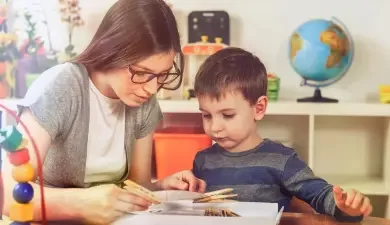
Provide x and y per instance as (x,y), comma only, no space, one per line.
(15,144)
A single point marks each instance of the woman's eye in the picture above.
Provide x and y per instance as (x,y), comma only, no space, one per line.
(142,73)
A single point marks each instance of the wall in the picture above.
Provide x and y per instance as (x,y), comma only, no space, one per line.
(263,27)
(91,12)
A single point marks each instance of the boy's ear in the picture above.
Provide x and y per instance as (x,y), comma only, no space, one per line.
(260,107)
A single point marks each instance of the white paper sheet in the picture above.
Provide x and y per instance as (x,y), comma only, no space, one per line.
(176,211)
(247,209)
(173,195)
(192,220)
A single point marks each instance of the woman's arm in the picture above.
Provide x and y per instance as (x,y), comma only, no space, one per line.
(57,207)
(141,162)
(141,170)
(141,158)
(141,154)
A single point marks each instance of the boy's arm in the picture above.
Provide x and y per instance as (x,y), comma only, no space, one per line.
(198,165)
(301,182)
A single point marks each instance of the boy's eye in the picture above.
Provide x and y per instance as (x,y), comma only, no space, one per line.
(228,116)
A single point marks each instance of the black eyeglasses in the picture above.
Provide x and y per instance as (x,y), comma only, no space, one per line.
(141,77)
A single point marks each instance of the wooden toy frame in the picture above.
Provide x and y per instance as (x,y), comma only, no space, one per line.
(13,141)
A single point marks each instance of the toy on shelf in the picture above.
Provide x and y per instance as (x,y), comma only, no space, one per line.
(273,87)
(213,24)
(321,51)
(15,144)
(384,94)
(204,47)
(208,32)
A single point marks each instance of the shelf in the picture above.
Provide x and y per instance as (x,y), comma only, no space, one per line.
(292,108)
(290,130)
(366,185)
(276,108)
(358,142)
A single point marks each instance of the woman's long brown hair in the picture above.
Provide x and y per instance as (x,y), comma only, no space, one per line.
(130,31)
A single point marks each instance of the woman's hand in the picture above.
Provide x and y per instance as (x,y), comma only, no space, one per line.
(184,180)
(106,203)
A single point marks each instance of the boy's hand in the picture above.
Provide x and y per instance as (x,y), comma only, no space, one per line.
(352,202)
(183,180)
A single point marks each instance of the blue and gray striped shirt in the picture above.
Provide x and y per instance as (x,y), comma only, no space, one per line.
(271,172)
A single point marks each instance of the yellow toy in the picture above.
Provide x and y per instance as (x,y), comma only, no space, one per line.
(384,94)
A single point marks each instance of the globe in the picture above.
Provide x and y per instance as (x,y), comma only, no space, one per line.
(321,52)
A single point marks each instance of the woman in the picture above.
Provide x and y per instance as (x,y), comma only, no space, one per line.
(93,118)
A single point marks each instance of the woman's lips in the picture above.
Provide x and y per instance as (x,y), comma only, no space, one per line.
(142,97)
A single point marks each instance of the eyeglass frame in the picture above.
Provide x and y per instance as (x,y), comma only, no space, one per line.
(133,72)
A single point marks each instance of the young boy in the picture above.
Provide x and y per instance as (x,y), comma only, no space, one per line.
(231,88)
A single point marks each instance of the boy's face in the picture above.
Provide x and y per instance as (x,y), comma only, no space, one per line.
(231,120)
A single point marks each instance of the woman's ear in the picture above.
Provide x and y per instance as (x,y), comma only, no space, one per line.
(260,107)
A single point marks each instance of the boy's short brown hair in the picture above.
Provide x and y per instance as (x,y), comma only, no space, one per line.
(232,69)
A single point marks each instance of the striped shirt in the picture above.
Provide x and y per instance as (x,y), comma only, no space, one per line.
(270,172)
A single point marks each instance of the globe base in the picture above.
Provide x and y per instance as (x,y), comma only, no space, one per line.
(317,98)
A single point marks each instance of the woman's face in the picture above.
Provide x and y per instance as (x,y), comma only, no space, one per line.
(132,90)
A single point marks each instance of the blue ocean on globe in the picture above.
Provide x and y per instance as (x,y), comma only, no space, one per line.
(320,50)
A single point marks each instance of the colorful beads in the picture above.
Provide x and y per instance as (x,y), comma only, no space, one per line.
(23,192)
(21,212)
(23,173)
(19,157)
(12,141)
(10,138)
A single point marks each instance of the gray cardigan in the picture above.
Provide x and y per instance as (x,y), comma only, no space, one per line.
(59,99)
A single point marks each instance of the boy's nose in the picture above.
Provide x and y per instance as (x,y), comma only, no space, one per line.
(216,126)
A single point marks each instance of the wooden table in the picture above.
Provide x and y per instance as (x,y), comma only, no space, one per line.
(287,219)
(314,219)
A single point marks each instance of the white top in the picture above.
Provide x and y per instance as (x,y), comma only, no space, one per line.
(106,157)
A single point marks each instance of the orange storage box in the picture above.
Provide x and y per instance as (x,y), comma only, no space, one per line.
(176,152)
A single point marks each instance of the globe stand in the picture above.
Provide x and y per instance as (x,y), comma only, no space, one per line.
(317,97)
